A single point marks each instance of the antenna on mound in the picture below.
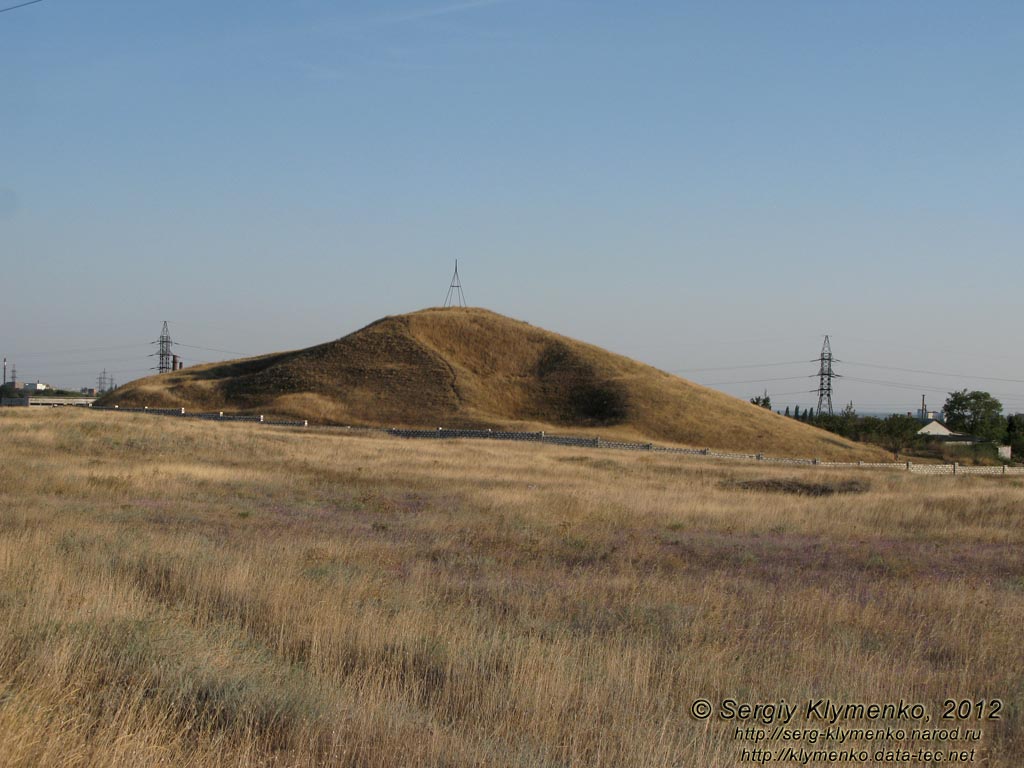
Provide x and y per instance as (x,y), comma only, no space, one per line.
(825,376)
(164,350)
(455,291)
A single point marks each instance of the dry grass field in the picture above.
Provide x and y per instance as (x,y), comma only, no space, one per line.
(181,593)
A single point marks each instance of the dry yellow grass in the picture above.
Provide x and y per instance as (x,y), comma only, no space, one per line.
(192,594)
(473,368)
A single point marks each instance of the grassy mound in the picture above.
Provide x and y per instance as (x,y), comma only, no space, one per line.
(474,368)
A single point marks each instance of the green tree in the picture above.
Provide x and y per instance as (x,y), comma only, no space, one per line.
(796,411)
(897,432)
(1015,434)
(976,413)
(762,400)
(787,410)
(868,428)
(846,424)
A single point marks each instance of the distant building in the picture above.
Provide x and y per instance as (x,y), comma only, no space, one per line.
(1006,452)
(91,391)
(37,387)
(936,430)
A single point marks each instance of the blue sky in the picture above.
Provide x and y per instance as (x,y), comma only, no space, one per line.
(697,185)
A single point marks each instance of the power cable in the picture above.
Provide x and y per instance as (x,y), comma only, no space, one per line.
(211,349)
(935,373)
(756,381)
(22,5)
(736,367)
(77,351)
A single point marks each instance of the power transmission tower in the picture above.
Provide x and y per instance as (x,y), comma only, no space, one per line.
(164,350)
(103,382)
(455,290)
(825,376)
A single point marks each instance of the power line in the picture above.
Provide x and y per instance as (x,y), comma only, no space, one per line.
(936,373)
(81,350)
(89,364)
(736,367)
(919,348)
(22,5)
(210,349)
(897,384)
(926,388)
(755,381)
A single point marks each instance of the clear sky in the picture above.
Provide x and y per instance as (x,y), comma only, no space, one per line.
(693,184)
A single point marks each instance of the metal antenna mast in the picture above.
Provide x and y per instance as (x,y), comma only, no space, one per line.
(164,350)
(455,290)
(825,376)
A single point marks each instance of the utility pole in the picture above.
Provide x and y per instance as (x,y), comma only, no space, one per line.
(825,376)
(164,350)
(5,371)
(455,290)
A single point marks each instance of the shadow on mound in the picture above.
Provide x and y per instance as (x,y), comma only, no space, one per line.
(573,392)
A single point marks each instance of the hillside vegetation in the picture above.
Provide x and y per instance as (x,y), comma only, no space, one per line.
(184,593)
(474,368)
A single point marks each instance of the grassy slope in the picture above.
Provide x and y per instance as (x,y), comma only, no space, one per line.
(183,593)
(472,367)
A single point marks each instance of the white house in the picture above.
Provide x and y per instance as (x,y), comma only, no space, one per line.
(939,431)
(935,428)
